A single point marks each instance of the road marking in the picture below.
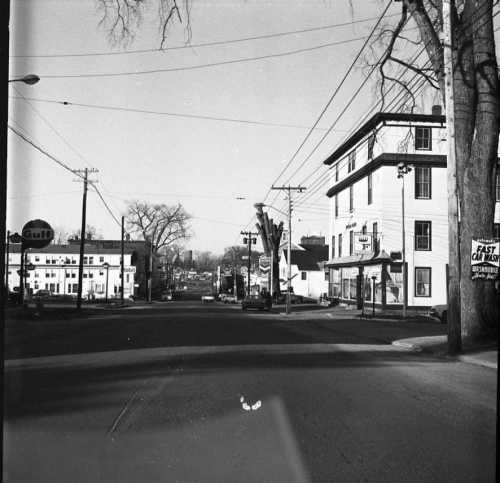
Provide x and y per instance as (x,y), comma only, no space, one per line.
(122,413)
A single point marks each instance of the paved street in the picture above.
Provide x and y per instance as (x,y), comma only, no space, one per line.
(207,393)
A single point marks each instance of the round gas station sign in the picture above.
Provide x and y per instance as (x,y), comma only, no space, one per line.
(37,234)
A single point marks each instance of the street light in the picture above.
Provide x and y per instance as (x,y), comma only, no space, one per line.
(106,266)
(402,170)
(29,79)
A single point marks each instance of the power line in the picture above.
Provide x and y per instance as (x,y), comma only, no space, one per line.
(43,151)
(199,66)
(162,113)
(202,44)
(332,97)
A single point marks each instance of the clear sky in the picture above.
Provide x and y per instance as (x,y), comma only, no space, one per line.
(205,164)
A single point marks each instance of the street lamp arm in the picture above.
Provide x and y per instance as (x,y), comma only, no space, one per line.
(262,205)
(29,79)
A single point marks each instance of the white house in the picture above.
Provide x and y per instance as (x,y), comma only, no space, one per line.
(366,211)
(308,276)
(55,268)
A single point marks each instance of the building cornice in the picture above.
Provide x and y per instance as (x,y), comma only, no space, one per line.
(374,121)
(388,159)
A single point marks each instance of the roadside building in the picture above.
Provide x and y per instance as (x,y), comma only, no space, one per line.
(366,212)
(55,269)
(308,276)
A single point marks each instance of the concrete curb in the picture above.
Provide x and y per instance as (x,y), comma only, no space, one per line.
(470,359)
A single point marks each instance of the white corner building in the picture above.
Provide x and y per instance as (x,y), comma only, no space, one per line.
(367,203)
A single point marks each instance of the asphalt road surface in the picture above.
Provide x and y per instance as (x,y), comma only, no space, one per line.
(207,393)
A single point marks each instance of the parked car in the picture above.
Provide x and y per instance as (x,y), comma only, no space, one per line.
(207,298)
(222,297)
(230,299)
(294,299)
(256,301)
(42,294)
(166,295)
(440,312)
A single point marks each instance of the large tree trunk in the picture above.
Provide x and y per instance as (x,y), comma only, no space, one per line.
(476,125)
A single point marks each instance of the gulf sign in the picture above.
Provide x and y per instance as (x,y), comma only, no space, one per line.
(484,259)
(264,264)
(37,234)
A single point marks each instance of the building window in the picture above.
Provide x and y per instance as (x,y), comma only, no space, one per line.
(370,192)
(73,275)
(68,274)
(363,230)
(351,161)
(91,260)
(53,275)
(371,143)
(351,242)
(91,275)
(375,237)
(340,245)
(423,138)
(303,275)
(47,275)
(101,259)
(497,186)
(423,235)
(47,261)
(333,246)
(73,261)
(422,281)
(336,206)
(84,275)
(54,261)
(337,172)
(127,278)
(496,230)
(422,183)
(37,258)
(351,198)
(85,260)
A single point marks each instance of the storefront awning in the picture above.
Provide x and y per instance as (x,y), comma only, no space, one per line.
(370,258)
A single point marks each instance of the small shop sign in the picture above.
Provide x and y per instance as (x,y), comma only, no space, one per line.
(484,259)
(362,243)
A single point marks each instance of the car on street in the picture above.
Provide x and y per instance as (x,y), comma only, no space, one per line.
(256,301)
(439,312)
(207,298)
(166,295)
(294,299)
(42,294)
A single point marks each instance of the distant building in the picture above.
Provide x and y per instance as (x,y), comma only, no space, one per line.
(56,270)
(308,275)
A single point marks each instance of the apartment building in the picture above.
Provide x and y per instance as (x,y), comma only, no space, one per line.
(392,167)
(55,268)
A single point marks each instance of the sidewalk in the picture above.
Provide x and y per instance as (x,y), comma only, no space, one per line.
(486,356)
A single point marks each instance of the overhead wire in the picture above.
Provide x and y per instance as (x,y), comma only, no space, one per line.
(201,44)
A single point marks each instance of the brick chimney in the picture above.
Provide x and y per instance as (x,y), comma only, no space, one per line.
(436,110)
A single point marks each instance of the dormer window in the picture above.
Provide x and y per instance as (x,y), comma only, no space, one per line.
(423,138)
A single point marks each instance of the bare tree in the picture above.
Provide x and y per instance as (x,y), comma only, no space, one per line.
(477,112)
(270,234)
(91,233)
(158,224)
(121,18)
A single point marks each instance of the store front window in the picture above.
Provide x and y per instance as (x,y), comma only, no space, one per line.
(349,282)
(334,282)
(394,285)
(368,273)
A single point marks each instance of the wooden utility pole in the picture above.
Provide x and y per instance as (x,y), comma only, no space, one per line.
(122,261)
(85,172)
(289,190)
(454,305)
(249,240)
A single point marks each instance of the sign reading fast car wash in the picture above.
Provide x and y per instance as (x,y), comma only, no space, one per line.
(484,259)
